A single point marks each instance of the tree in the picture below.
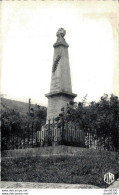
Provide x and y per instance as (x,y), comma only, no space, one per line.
(100,119)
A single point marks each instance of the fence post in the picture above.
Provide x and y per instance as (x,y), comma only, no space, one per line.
(53,131)
(32,134)
(62,130)
(47,140)
(75,135)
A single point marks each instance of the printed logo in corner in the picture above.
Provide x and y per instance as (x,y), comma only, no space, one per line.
(109,178)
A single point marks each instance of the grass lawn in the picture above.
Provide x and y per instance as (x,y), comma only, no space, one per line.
(87,168)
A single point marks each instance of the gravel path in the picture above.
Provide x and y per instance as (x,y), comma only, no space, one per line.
(31,185)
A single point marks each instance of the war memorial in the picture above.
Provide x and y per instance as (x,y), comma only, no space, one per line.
(61,88)
(58,132)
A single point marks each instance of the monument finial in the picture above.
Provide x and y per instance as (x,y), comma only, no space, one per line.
(60,38)
(61,32)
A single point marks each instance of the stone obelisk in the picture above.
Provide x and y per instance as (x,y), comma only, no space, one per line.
(60,88)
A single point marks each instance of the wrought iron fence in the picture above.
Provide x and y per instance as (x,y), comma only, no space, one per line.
(55,133)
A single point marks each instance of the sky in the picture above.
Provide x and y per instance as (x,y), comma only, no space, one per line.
(29,32)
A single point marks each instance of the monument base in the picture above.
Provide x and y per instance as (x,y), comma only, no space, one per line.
(56,101)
